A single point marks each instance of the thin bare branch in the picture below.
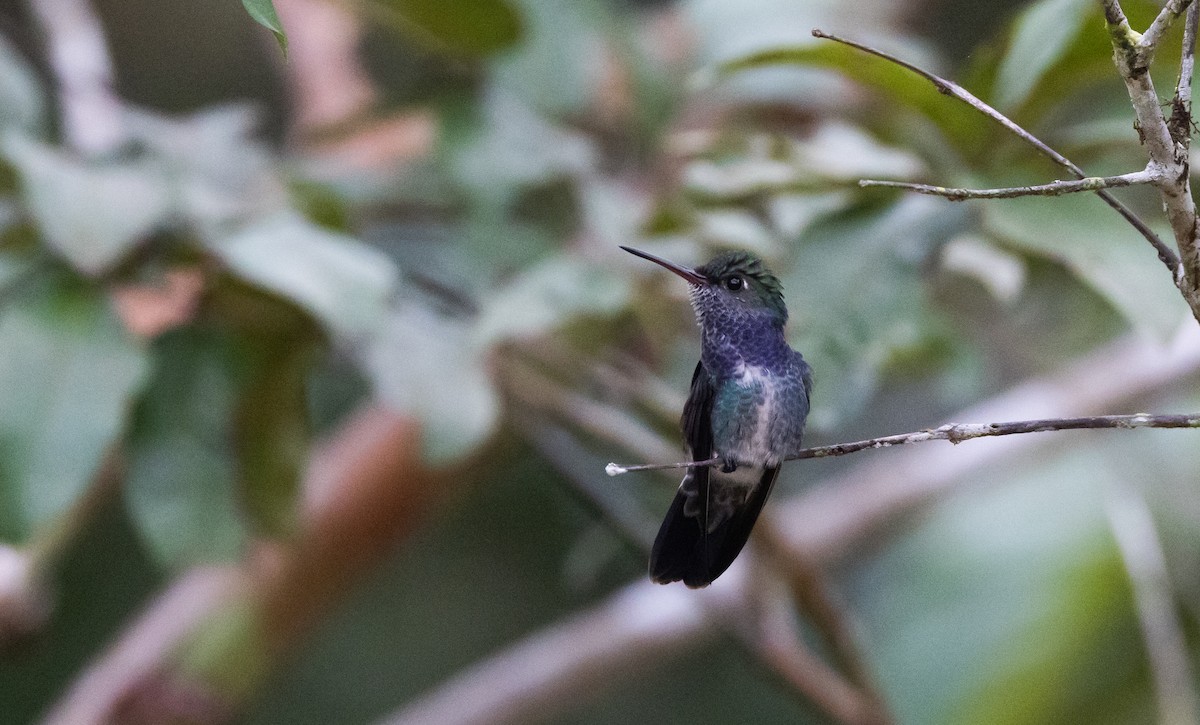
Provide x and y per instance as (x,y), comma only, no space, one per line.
(842,513)
(956,433)
(1166,645)
(1166,18)
(785,657)
(1165,254)
(1057,188)
(1180,121)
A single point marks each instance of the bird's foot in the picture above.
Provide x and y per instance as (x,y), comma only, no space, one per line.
(728,465)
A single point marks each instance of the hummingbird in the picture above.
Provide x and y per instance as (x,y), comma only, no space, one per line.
(748,402)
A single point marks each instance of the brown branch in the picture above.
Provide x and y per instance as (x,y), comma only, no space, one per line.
(1165,254)
(955,433)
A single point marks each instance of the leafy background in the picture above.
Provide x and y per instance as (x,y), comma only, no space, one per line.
(187,314)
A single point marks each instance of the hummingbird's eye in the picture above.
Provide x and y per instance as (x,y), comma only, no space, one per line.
(734,284)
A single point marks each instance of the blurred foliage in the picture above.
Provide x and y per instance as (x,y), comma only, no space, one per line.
(562,130)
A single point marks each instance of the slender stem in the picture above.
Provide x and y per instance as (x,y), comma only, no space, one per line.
(1166,645)
(1057,188)
(1162,23)
(957,433)
(1165,254)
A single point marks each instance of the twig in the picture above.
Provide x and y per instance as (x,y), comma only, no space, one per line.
(1162,23)
(1165,254)
(1166,646)
(956,433)
(1132,54)
(1057,188)
(843,513)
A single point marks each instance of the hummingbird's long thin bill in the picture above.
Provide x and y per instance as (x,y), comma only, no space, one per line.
(691,275)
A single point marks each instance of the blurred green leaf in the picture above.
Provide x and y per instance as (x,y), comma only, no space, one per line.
(468,27)
(339,280)
(1015,587)
(220,174)
(181,488)
(91,214)
(513,148)
(559,290)
(894,84)
(280,343)
(1042,35)
(68,373)
(555,69)
(1096,245)
(867,266)
(835,153)
(424,364)
(22,104)
(263,12)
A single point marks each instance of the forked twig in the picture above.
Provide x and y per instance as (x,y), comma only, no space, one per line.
(950,88)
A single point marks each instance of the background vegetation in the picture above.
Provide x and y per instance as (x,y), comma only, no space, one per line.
(310,366)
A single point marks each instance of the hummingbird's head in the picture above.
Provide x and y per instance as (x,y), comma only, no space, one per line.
(736,283)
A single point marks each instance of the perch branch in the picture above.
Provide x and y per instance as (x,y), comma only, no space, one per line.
(1057,188)
(956,433)
(950,88)
(541,674)
(845,699)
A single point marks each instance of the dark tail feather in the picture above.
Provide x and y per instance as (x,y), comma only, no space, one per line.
(682,551)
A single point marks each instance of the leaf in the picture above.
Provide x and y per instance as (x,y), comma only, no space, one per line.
(22,103)
(68,372)
(220,174)
(513,148)
(1078,231)
(181,487)
(111,207)
(549,295)
(263,12)
(339,280)
(279,344)
(1042,35)
(835,152)
(425,364)
(467,27)
(894,84)
(1015,588)
(867,267)
(554,68)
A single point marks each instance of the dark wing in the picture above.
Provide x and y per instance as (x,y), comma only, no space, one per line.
(684,549)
